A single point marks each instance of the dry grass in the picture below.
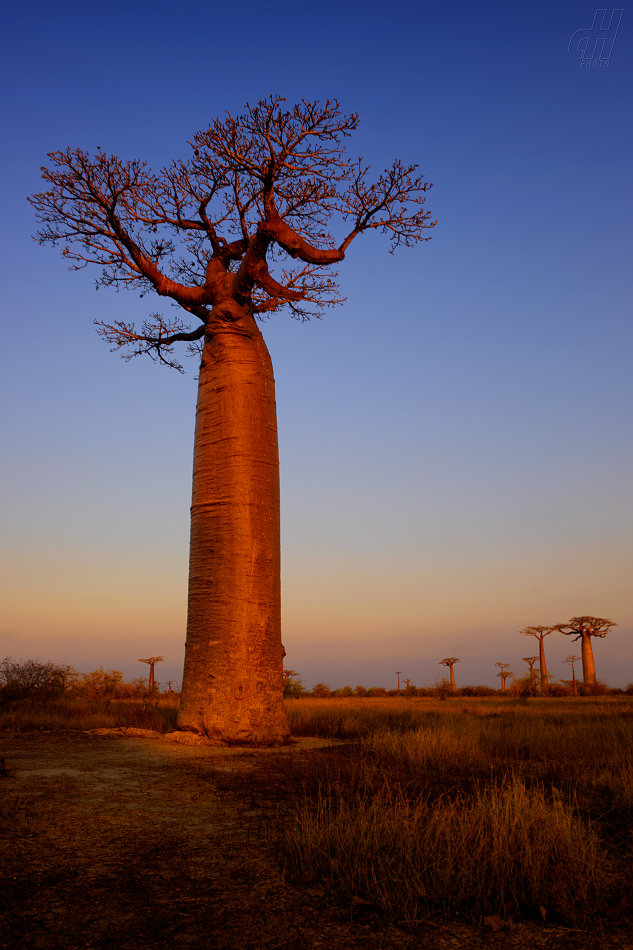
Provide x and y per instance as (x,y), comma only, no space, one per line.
(438,807)
(23,716)
(503,843)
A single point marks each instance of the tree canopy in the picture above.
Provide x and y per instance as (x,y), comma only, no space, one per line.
(245,219)
(538,632)
(590,626)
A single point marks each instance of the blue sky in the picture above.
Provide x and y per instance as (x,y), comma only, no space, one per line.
(455,441)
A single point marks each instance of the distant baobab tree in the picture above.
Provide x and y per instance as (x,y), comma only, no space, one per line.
(572,659)
(504,673)
(531,660)
(398,672)
(171,683)
(152,661)
(583,629)
(540,633)
(254,220)
(288,674)
(450,661)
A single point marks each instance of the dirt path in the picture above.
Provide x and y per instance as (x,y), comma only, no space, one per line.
(115,842)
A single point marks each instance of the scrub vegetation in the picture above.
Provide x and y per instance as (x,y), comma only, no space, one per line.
(37,695)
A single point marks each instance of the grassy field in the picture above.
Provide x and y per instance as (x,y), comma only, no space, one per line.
(26,716)
(466,806)
(426,809)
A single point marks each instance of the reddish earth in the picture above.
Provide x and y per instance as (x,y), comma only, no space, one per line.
(119,842)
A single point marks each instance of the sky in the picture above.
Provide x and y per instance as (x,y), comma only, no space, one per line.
(455,441)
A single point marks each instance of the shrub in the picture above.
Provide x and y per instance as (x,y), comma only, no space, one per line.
(599,688)
(99,685)
(321,690)
(479,691)
(343,691)
(294,688)
(33,679)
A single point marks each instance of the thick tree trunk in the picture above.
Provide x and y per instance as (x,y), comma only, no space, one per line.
(233,677)
(588,666)
(542,663)
(452,679)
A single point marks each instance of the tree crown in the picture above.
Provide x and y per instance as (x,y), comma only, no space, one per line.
(538,632)
(244,222)
(593,626)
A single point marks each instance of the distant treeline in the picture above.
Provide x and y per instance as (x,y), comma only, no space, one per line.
(442,689)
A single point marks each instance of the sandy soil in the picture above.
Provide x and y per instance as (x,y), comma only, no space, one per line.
(114,841)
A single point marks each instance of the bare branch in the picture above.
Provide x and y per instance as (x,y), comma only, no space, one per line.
(156,338)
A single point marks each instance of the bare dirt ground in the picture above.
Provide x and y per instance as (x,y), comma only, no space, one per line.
(115,842)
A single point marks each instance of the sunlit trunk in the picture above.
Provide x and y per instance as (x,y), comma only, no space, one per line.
(542,663)
(233,676)
(452,678)
(588,667)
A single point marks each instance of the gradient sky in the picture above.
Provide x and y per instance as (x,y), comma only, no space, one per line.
(455,441)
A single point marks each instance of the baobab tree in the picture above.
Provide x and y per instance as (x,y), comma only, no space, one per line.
(504,672)
(152,661)
(583,629)
(540,633)
(398,672)
(450,661)
(572,659)
(531,660)
(231,234)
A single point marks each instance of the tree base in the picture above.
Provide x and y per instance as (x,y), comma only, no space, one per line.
(257,727)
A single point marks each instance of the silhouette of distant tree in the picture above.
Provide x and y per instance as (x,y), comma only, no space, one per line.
(504,672)
(572,659)
(531,660)
(152,661)
(540,633)
(450,661)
